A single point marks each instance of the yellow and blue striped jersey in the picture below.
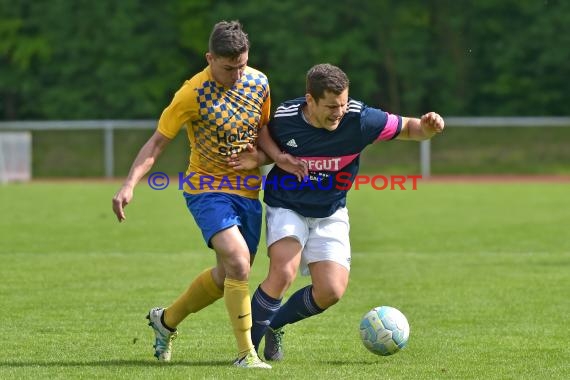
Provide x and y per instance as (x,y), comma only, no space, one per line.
(219,121)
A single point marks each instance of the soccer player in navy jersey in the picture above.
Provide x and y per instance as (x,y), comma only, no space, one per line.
(307,224)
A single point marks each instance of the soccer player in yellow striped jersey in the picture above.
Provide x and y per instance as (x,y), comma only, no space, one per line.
(222,118)
(223,108)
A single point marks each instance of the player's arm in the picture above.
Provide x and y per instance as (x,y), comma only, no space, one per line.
(253,157)
(268,153)
(285,161)
(249,158)
(270,149)
(424,128)
(141,165)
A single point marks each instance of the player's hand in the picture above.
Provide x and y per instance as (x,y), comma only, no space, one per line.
(245,160)
(432,123)
(121,200)
(293,165)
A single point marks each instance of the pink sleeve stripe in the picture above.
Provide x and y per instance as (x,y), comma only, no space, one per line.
(390,128)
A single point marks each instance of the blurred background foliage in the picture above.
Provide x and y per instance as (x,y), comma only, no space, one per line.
(107,59)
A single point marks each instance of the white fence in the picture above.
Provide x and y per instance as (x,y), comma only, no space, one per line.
(15,156)
(108,127)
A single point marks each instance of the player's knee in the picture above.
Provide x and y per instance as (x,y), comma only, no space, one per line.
(327,296)
(279,280)
(237,268)
(285,281)
(283,272)
(327,300)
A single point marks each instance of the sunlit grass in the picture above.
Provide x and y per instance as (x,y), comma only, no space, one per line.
(481,272)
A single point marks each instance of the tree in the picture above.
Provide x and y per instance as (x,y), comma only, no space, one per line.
(107,59)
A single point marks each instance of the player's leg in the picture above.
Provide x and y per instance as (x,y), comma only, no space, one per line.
(203,291)
(287,232)
(284,259)
(207,287)
(328,244)
(235,248)
(213,212)
(233,253)
(330,281)
(329,284)
(327,248)
(328,256)
(299,306)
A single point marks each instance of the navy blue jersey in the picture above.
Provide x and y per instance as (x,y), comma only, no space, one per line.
(332,157)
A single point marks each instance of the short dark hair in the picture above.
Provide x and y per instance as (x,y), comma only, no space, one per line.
(228,39)
(325,77)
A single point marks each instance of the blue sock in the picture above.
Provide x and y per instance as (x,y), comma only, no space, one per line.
(300,305)
(263,309)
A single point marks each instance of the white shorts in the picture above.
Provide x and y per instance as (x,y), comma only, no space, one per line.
(321,238)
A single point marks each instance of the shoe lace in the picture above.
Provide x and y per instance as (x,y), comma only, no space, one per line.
(278,337)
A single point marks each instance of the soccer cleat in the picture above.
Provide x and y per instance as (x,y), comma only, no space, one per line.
(163,336)
(273,344)
(251,360)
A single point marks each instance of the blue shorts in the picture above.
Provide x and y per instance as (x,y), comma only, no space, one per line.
(214,212)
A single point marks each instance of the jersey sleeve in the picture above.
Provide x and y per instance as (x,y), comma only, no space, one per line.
(182,108)
(265,110)
(378,125)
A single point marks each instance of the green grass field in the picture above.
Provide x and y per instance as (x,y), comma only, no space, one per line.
(482,271)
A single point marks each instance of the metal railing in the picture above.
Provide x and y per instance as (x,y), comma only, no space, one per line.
(453,122)
(108,127)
